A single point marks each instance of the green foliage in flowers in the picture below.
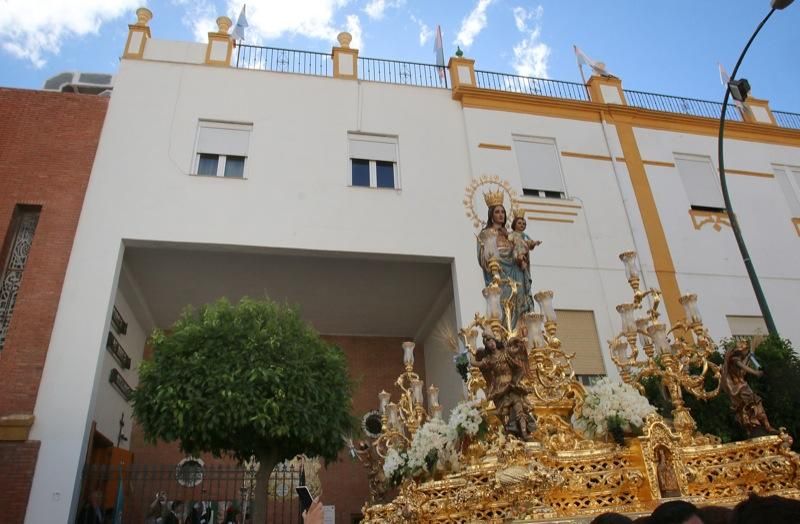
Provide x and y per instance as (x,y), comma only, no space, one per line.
(777,389)
(245,380)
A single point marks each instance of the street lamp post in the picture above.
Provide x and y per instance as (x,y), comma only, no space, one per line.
(737,233)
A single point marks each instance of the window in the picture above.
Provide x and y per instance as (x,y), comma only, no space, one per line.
(747,327)
(14,255)
(578,333)
(701,182)
(539,167)
(222,149)
(373,161)
(789,180)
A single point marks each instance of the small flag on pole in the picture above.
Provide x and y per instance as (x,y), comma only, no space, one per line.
(438,49)
(241,24)
(597,67)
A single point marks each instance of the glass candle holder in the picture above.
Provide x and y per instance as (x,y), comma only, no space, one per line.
(408,353)
(545,301)
(626,316)
(383,400)
(631,269)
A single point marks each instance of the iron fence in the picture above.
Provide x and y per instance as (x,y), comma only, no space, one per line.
(789,120)
(283,60)
(405,73)
(531,86)
(218,493)
(682,105)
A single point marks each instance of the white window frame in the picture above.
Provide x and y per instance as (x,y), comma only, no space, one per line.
(542,193)
(714,175)
(789,179)
(222,158)
(373,166)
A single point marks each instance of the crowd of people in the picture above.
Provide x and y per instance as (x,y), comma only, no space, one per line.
(753,510)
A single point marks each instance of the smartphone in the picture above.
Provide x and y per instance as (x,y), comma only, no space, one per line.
(305,497)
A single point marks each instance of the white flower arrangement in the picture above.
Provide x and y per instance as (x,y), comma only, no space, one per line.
(611,403)
(436,444)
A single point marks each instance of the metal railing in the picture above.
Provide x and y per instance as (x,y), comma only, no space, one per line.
(282,60)
(223,491)
(681,105)
(531,86)
(789,120)
(404,73)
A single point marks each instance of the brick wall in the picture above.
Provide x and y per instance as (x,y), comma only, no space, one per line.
(47,147)
(17,460)
(374,363)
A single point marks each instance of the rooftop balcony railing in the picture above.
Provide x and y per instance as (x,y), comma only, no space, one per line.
(531,86)
(678,104)
(405,73)
(788,120)
(282,60)
(431,75)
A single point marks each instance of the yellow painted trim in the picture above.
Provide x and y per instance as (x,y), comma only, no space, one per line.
(748,173)
(219,37)
(551,212)
(758,102)
(134,28)
(494,146)
(716,218)
(543,219)
(658,163)
(796,222)
(573,154)
(656,238)
(335,57)
(473,97)
(596,95)
(15,427)
(532,202)
(452,66)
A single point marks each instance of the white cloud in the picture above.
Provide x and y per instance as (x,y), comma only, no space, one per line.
(354,28)
(200,17)
(33,30)
(473,23)
(375,9)
(530,54)
(425,32)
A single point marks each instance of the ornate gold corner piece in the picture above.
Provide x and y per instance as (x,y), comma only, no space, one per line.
(15,427)
(717,219)
(796,222)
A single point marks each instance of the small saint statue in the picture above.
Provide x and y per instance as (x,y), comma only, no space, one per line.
(745,403)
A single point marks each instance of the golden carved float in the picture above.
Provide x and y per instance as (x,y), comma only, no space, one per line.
(553,471)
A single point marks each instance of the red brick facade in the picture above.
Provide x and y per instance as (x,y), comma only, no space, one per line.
(374,363)
(47,148)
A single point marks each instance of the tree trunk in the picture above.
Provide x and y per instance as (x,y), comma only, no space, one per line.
(266,465)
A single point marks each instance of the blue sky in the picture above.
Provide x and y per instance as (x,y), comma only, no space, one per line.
(669,47)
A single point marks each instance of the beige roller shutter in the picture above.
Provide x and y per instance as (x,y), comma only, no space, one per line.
(578,333)
(742,326)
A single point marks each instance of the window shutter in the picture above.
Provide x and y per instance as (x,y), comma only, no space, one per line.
(539,167)
(700,181)
(578,333)
(373,149)
(223,141)
(742,326)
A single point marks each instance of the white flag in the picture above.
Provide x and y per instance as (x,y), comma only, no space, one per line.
(597,67)
(724,78)
(241,24)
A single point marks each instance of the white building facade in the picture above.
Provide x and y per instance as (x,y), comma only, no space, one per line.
(344,195)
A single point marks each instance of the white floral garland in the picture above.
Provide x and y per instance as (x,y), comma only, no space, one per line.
(608,398)
(439,436)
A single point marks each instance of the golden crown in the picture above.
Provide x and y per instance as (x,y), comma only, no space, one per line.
(517,212)
(493,198)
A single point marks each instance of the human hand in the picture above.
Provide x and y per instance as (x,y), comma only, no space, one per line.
(314,514)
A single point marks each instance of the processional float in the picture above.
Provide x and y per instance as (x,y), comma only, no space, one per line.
(514,450)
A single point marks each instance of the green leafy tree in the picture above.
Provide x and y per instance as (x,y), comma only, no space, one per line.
(245,380)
